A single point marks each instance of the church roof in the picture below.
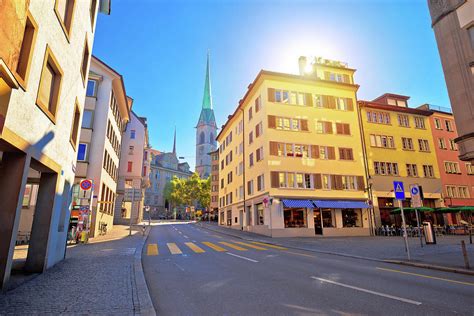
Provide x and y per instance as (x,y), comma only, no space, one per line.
(207,113)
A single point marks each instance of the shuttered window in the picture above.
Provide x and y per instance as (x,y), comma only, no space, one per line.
(346,154)
(343,129)
(50,83)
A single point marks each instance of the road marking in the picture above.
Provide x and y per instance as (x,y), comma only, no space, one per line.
(217,236)
(152,250)
(185,236)
(300,254)
(425,276)
(180,233)
(174,248)
(232,246)
(194,247)
(241,257)
(194,241)
(250,246)
(401,299)
(214,246)
(268,245)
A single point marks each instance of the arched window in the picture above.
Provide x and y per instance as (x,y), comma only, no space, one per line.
(211,138)
(201,138)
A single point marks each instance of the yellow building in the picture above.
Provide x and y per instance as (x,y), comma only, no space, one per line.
(400,147)
(291,161)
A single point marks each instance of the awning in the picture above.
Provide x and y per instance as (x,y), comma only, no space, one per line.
(298,203)
(340,204)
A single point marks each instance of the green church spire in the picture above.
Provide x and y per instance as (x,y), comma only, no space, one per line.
(207,98)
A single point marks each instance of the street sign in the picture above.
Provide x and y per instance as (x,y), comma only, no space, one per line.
(415,195)
(86,184)
(399,190)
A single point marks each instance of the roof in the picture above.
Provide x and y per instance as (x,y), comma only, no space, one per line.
(207,117)
(391,95)
(394,108)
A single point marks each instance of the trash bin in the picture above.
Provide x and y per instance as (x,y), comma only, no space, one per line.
(428,231)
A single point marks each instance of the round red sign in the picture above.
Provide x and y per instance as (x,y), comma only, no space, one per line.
(86,185)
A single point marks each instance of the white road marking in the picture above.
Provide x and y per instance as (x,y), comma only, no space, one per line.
(194,241)
(178,266)
(241,257)
(401,299)
(185,236)
(180,233)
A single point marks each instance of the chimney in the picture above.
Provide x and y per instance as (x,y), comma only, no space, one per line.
(302,64)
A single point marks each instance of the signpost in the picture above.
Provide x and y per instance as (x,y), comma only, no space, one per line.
(416,202)
(400,196)
(132,195)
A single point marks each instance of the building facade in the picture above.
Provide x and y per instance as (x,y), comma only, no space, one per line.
(134,171)
(291,160)
(457,176)
(206,130)
(44,61)
(106,114)
(214,205)
(399,147)
(453,25)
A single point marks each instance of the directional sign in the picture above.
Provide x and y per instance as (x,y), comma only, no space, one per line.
(399,190)
(415,195)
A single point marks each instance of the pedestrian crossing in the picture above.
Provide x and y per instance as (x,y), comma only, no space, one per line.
(172,248)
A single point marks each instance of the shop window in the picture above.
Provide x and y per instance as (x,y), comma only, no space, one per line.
(24,61)
(295,218)
(328,218)
(259,208)
(351,218)
(49,87)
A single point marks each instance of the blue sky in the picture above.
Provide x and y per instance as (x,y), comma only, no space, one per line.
(160,48)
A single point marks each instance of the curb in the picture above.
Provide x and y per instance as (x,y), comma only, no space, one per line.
(399,262)
(145,305)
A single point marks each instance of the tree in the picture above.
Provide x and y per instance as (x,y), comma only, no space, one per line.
(204,197)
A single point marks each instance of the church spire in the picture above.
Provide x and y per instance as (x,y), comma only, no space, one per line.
(207,99)
(174,141)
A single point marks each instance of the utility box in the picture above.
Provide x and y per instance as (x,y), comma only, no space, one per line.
(428,231)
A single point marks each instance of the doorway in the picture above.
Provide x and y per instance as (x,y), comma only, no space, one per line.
(318,228)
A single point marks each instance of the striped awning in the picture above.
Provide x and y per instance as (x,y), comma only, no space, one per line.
(298,203)
(340,204)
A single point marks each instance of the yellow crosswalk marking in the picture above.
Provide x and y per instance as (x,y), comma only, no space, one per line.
(268,245)
(194,247)
(174,248)
(152,250)
(214,246)
(232,246)
(250,246)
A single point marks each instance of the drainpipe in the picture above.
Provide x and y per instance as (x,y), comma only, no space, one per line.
(243,160)
(366,167)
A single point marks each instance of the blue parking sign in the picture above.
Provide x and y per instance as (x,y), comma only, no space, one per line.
(399,190)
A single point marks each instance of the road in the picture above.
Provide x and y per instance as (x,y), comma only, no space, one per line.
(193,271)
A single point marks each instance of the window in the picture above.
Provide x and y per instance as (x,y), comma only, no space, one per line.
(441,143)
(452,144)
(328,219)
(449,126)
(132,134)
(451,167)
(343,129)
(85,60)
(259,154)
(64,10)
(259,208)
(403,120)
(470,30)
(258,104)
(250,113)
(130,150)
(349,183)
(412,170)
(378,117)
(424,145)
(91,88)
(419,122)
(27,196)
(222,183)
(260,183)
(251,160)
(437,123)
(87,118)
(323,127)
(341,104)
(346,154)
(49,87)
(258,129)
(382,141)
(428,171)
(469,168)
(351,218)
(326,182)
(24,60)
(282,179)
(82,152)
(129,166)
(229,177)
(386,168)
(407,143)
(93,10)
(463,192)
(295,218)
(250,187)
(250,137)
(75,126)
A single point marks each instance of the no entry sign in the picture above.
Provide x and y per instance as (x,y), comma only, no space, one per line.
(86,184)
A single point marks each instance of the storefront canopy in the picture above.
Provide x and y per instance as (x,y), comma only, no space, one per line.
(412,209)
(298,203)
(340,204)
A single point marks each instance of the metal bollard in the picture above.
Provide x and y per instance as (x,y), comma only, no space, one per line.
(143,229)
(464,253)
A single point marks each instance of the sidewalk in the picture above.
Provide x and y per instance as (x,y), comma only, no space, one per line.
(446,253)
(102,277)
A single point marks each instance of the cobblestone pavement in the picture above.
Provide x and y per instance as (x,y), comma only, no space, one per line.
(447,251)
(95,279)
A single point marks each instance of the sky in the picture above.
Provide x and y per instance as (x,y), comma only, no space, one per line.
(160,49)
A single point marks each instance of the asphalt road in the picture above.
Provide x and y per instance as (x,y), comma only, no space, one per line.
(192,271)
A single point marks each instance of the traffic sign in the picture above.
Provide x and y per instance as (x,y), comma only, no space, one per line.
(86,184)
(399,190)
(415,195)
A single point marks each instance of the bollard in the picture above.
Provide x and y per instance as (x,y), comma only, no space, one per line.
(464,253)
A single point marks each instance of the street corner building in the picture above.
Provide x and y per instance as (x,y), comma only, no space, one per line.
(399,146)
(291,156)
(44,62)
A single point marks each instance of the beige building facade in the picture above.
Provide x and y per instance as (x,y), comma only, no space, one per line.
(44,61)
(106,114)
(214,205)
(453,25)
